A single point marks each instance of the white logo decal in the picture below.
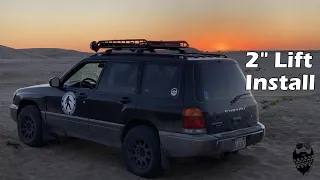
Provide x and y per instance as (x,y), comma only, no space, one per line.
(174,91)
(68,103)
(235,110)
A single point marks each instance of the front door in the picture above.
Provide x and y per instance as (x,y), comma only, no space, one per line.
(67,108)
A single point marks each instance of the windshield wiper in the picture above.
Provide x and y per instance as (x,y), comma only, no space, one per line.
(238,97)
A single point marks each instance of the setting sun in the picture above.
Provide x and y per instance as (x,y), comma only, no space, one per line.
(220,47)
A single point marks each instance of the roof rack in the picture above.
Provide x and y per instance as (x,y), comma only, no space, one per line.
(138,45)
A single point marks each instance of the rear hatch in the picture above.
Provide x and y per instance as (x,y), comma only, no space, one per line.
(220,91)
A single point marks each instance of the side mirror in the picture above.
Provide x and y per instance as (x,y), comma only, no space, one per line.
(54,82)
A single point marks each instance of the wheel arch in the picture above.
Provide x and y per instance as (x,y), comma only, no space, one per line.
(26,102)
(136,122)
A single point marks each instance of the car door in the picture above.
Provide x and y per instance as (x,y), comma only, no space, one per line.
(161,97)
(114,101)
(67,109)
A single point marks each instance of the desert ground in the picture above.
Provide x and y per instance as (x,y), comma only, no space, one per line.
(289,117)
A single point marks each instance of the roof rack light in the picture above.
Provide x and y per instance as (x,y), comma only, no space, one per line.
(137,44)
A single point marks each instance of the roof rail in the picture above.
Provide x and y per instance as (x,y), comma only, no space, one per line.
(138,45)
(206,55)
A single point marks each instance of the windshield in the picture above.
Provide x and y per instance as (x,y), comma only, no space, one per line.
(218,80)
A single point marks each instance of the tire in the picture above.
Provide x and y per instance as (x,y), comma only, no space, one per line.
(142,152)
(30,126)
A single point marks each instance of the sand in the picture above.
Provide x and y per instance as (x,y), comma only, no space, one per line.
(288,120)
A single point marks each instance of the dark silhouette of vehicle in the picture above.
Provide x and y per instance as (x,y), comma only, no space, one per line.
(154,106)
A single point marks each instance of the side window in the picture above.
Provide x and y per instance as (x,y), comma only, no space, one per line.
(85,77)
(120,77)
(161,80)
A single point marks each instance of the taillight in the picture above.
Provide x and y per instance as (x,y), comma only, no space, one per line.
(193,121)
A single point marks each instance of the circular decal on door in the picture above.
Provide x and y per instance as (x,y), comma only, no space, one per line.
(68,103)
(174,91)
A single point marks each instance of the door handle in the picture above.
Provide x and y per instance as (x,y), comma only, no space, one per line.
(82,96)
(125,100)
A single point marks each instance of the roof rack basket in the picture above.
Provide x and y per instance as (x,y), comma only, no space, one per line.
(138,45)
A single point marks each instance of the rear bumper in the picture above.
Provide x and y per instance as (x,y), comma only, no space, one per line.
(184,145)
(14,112)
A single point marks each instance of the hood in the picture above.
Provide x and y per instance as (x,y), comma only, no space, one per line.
(38,86)
(33,88)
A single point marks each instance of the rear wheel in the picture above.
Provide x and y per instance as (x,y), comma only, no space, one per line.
(142,153)
(30,126)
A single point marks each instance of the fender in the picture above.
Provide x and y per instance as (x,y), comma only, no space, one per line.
(36,94)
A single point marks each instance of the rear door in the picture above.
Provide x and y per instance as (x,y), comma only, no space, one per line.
(114,101)
(161,96)
(216,84)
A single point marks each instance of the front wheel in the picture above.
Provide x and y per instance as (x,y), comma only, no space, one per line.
(142,153)
(30,126)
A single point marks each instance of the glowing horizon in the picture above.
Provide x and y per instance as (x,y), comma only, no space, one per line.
(218,25)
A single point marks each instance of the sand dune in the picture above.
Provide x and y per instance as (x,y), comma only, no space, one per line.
(39,53)
(56,52)
(11,53)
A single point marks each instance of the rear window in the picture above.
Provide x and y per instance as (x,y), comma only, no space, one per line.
(218,80)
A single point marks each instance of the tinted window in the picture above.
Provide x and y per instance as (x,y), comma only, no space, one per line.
(160,80)
(222,80)
(119,77)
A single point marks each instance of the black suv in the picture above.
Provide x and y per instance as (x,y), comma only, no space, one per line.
(154,105)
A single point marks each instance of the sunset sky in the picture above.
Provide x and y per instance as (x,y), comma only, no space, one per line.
(205,24)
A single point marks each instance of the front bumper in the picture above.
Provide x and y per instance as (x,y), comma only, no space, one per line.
(185,145)
(14,112)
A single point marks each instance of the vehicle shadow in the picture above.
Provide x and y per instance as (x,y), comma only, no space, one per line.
(210,166)
(74,148)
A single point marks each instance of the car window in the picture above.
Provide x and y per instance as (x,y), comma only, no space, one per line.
(120,77)
(160,80)
(89,71)
(218,81)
